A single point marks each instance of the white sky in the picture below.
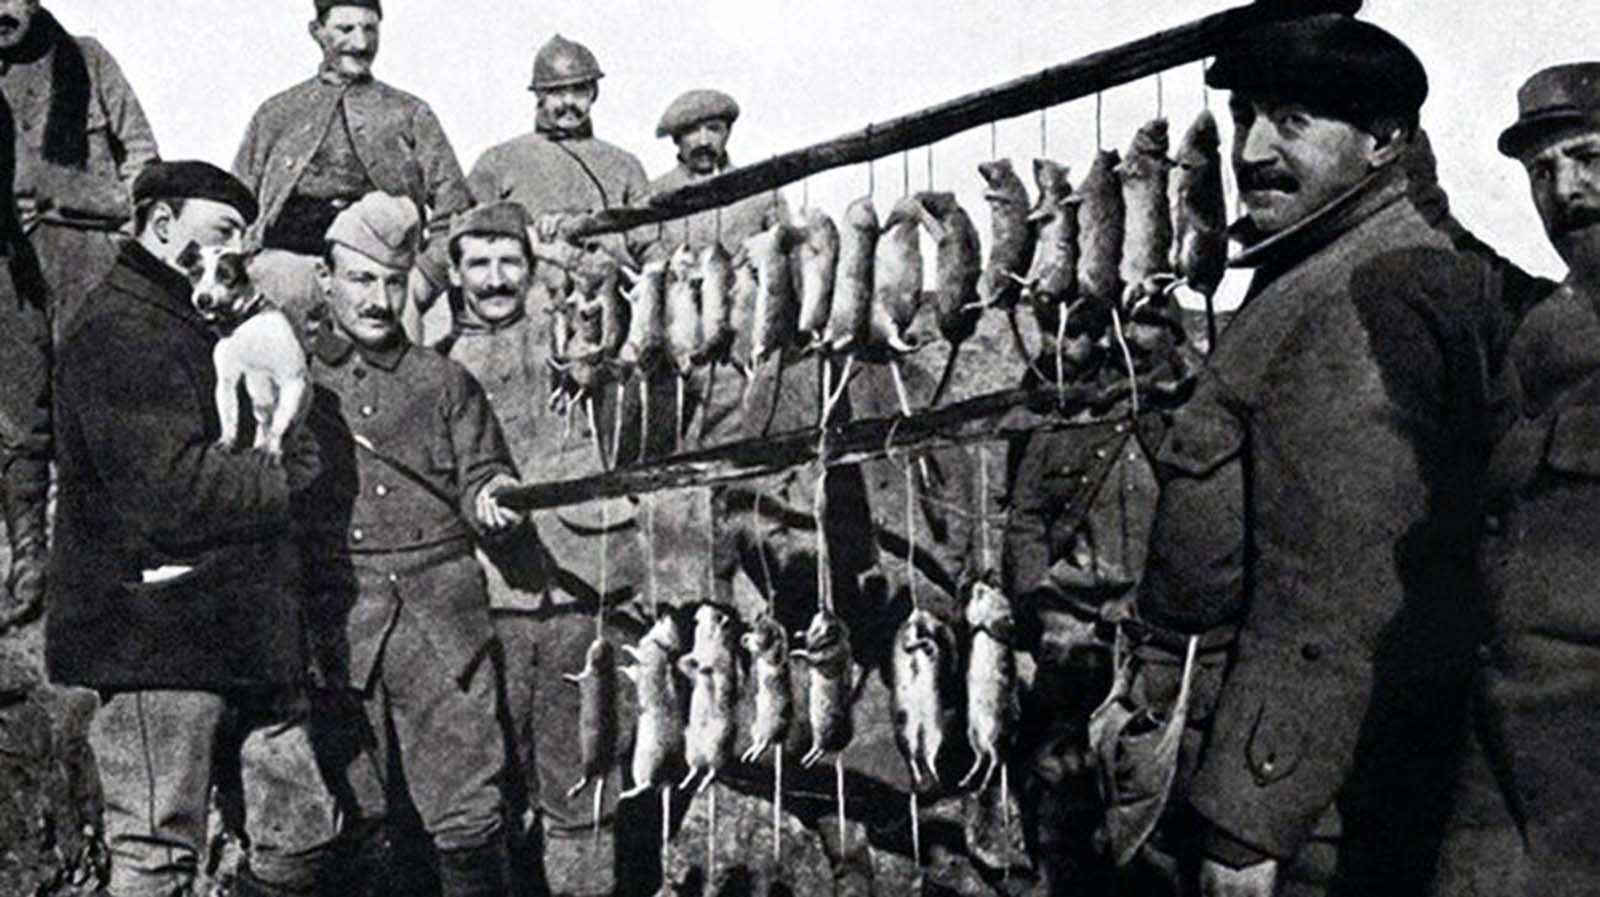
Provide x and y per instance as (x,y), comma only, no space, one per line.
(806,72)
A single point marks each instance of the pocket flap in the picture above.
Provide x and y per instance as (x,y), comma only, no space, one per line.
(1575,442)
(1200,440)
(1276,743)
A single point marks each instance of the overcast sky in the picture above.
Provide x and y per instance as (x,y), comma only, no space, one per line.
(809,71)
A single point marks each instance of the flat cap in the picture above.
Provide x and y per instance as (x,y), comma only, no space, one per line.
(1554,97)
(695,107)
(1344,67)
(381,227)
(324,5)
(496,219)
(193,179)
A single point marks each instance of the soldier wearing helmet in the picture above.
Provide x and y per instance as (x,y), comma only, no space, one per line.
(558,169)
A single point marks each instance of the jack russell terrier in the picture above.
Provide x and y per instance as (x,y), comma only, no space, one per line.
(257,345)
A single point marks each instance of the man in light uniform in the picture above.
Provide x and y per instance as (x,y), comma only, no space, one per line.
(319,146)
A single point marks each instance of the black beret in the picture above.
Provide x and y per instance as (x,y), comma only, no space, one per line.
(194,180)
(324,5)
(1344,67)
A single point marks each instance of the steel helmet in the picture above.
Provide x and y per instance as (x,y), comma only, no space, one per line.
(561,63)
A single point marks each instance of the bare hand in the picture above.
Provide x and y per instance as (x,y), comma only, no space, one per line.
(1219,880)
(492,515)
(30,211)
(548,227)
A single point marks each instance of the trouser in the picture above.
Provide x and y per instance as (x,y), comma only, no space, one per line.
(155,751)
(434,738)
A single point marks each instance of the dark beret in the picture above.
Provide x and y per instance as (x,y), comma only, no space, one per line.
(1556,97)
(1337,65)
(324,5)
(695,107)
(193,180)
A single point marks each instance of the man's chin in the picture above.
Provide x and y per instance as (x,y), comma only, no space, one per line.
(1269,211)
(372,335)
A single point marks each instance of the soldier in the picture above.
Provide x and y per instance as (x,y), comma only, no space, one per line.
(80,138)
(1317,491)
(543,615)
(415,457)
(562,167)
(319,146)
(1524,821)
(700,123)
(172,575)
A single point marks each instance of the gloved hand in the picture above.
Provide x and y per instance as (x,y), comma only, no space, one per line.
(301,458)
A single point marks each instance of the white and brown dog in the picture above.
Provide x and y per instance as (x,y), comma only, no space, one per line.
(257,346)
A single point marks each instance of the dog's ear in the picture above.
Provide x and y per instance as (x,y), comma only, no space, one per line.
(189,258)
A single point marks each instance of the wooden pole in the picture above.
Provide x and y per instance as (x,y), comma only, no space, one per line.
(994,416)
(1053,86)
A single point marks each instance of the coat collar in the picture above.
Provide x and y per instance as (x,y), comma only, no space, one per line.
(152,281)
(1375,192)
(333,348)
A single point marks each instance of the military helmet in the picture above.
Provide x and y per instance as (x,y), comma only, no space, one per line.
(562,63)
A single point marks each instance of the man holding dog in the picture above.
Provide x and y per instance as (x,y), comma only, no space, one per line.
(172,575)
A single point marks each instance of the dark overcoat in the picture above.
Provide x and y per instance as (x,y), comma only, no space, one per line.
(143,485)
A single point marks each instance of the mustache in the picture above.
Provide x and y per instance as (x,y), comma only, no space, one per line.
(9,21)
(504,290)
(1575,217)
(704,152)
(1264,178)
(376,314)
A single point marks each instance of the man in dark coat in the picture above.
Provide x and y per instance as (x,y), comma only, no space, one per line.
(1526,819)
(1318,490)
(400,615)
(171,575)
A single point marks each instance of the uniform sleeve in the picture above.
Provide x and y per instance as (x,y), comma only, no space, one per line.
(447,189)
(135,138)
(142,422)
(636,192)
(477,441)
(248,162)
(1347,566)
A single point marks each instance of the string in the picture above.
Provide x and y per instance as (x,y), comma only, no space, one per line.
(600,607)
(872,178)
(1205,91)
(994,139)
(905,172)
(1160,96)
(1044,132)
(1099,131)
(911,536)
(983,507)
(1127,358)
(805,192)
(930,166)
(719,224)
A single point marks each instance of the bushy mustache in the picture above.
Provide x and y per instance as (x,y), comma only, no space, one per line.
(1266,178)
(1575,217)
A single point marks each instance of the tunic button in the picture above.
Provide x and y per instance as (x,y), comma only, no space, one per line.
(1311,651)
(368,411)
(489,396)
(382,490)
(356,535)
(360,373)
(394,577)
(1485,653)
(1493,524)
(1100,453)
(1269,764)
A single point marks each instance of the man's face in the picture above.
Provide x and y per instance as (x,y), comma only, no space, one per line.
(365,296)
(568,107)
(15,17)
(1292,161)
(1564,175)
(201,223)
(493,275)
(348,36)
(703,146)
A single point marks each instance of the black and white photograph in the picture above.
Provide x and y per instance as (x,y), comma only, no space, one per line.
(742,449)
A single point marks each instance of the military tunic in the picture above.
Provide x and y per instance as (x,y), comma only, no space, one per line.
(398,608)
(1525,818)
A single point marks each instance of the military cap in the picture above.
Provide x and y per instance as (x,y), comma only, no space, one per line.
(381,227)
(1337,65)
(496,219)
(1554,97)
(324,5)
(193,179)
(695,107)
